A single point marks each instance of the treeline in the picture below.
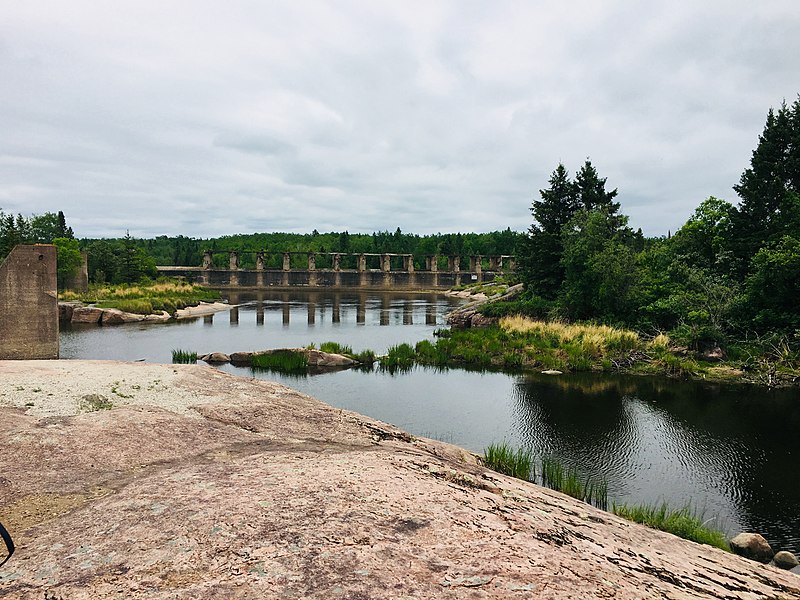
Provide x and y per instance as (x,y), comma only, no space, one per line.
(186,251)
(729,272)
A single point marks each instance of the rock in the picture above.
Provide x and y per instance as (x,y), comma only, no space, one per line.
(785,560)
(552,372)
(215,358)
(161,317)
(86,314)
(65,310)
(715,354)
(317,358)
(479,320)
(242,359)
(113,316)
(752,546)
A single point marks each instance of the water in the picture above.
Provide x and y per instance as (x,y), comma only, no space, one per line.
(729,450)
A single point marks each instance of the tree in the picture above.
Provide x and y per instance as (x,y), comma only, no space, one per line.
(592,195)
(69,259)
(769,189)
(774,286)
(539,253)
(704,239)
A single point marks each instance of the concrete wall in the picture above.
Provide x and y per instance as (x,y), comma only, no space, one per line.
(79,282)
(29,304)
(296,278)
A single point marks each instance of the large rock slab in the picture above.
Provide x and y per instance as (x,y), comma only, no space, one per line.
(198,484)
(87,314)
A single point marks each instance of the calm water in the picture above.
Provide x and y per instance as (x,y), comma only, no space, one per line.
(730,451)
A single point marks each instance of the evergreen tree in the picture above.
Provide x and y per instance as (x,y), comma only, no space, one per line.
(769,189)
(539,253)
(592,195)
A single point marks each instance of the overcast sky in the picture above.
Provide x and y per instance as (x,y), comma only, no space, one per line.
(208,118)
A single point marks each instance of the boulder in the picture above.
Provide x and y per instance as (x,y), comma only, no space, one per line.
(478,320)
(65,310)
(785,560)
(86,314)
(215,358)
(317,358)
(715,354)
(113,316)
(161,317)
(241,359)
(752,546)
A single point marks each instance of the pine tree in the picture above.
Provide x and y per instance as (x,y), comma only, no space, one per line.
(769,189)
(540,252)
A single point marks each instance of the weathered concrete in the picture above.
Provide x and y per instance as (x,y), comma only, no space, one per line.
(198,484)
(29,303)
(370,271)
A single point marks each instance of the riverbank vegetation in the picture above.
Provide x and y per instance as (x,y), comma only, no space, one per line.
(144,298)
(183,357)
(521,463)
(723,287)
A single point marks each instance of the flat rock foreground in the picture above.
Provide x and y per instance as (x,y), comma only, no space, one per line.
(130,480)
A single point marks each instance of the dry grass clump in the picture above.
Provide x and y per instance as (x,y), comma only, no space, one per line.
(594,340)
(661,342)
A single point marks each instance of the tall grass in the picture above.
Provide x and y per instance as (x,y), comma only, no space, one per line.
(282,360)
(183,357)
(336,348)
(145,298)
(594,339)
(683,522)
(400,357)
(516,463)
(569,481)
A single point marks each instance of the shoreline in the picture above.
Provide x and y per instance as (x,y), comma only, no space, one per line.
(165,480)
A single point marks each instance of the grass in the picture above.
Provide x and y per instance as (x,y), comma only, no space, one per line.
(183,357)
(144,298)
(398,358)
(281,360)
(336,348)
(516,463)
(684,522)
(569,481)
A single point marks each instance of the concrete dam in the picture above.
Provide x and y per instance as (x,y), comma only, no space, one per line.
(368,271)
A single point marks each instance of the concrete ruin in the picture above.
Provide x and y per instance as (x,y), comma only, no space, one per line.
(371,271)
(29,304)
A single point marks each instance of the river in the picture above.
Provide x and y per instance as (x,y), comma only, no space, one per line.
(728,450)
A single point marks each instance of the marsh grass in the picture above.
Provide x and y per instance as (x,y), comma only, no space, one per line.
(336,348)
(184,357)
(504,459)
(568,481)
(683,522)
(144,298)
(401,357)
(286,361)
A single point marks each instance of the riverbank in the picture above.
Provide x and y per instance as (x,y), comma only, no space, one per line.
(153,481)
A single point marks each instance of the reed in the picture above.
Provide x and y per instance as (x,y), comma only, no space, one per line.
(336,348)
(282,360)
(683,522)
(568,481)
(401,356)
(184,357)
(504,459)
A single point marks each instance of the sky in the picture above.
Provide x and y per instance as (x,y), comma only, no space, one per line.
(203,118)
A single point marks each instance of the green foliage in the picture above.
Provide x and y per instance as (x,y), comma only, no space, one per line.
(516,463)
(531,306)
(163,294)
(69,259)
(336,348)
(773,288)
(400,358)
(684,522)
(183,357)
(282,360)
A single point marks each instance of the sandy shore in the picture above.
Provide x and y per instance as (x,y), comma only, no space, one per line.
(133,480)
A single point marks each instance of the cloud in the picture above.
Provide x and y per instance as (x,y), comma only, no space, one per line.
(203,119)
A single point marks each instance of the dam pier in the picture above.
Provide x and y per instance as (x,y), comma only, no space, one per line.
(370,271)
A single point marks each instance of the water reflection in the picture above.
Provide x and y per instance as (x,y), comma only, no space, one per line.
(728,450)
